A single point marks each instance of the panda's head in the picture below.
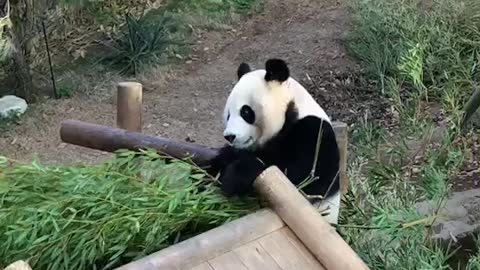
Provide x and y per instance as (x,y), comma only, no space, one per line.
(255,109)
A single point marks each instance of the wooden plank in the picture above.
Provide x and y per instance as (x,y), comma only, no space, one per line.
(301,247)
(203,266)
(285,254)
(211,244)
(227,261)
(255,257)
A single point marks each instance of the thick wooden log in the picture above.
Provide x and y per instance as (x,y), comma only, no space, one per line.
(129,106)
(112,139)
(316,234)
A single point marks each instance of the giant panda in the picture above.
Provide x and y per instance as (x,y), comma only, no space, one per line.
(271,119)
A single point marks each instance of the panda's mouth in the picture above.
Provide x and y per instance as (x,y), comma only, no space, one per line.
(246,144)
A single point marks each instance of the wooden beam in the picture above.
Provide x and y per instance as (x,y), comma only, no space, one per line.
(112,139)
(129,106)
(302,218)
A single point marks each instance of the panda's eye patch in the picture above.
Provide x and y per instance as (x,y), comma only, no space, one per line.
(247,114)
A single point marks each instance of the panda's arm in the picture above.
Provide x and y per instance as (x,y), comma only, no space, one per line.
(238,170)
(225,156)
(301,156)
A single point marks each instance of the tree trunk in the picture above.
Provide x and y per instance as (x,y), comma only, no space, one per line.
(471,107)
(22,71)
(21,33)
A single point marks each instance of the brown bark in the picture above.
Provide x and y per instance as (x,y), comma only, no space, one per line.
(21,33)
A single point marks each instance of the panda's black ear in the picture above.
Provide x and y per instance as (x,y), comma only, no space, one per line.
(243,69)
(277,70)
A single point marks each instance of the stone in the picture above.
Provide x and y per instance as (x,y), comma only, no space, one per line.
(11,104)
(458,218)
(19,265)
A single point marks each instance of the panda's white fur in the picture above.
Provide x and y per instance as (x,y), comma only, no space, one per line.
(270,100)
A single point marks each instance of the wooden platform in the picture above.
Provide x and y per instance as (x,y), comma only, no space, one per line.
(278,250)
(259,241)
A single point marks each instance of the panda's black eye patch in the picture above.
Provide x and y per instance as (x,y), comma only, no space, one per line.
(247,114)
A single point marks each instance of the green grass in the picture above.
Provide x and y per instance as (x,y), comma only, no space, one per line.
(10,120)
(84,217)
(419,54)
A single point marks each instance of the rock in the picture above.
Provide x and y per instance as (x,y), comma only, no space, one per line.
(12,105)
(459,217)
(19,265)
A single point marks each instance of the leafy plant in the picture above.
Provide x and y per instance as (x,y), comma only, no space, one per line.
(99,217)
(65,92)
(143,41)
(418,53)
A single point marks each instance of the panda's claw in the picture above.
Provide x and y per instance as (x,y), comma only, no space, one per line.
(238,177)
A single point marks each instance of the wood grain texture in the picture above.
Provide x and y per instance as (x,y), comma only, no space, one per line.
(227,261)
(203,266)
(255,257)
(301,247)
(285,253)
(211,244)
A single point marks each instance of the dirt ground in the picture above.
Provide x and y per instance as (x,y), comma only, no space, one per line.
(186,103)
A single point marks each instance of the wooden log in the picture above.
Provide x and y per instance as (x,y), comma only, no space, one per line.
(18,265)
(112,139)
(211,244)
(129,106)
(318,236)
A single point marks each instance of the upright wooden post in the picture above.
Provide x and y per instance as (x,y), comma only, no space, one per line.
(341,132)
(304,220)
(129,106)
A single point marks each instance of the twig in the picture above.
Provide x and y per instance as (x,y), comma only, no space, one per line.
(355,226)
(55,93)
(420,221)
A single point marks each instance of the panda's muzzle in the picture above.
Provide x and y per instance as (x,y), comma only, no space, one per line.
(229,138)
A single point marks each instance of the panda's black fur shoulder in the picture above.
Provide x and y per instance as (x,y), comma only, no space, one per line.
(292,150)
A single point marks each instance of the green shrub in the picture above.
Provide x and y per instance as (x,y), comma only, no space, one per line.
(143,41)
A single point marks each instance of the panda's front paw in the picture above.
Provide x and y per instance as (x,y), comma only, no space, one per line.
(238,177)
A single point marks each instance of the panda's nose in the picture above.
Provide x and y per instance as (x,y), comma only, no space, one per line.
(229,138)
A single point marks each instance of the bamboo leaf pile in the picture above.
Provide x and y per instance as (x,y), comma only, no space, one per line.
(103,216)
